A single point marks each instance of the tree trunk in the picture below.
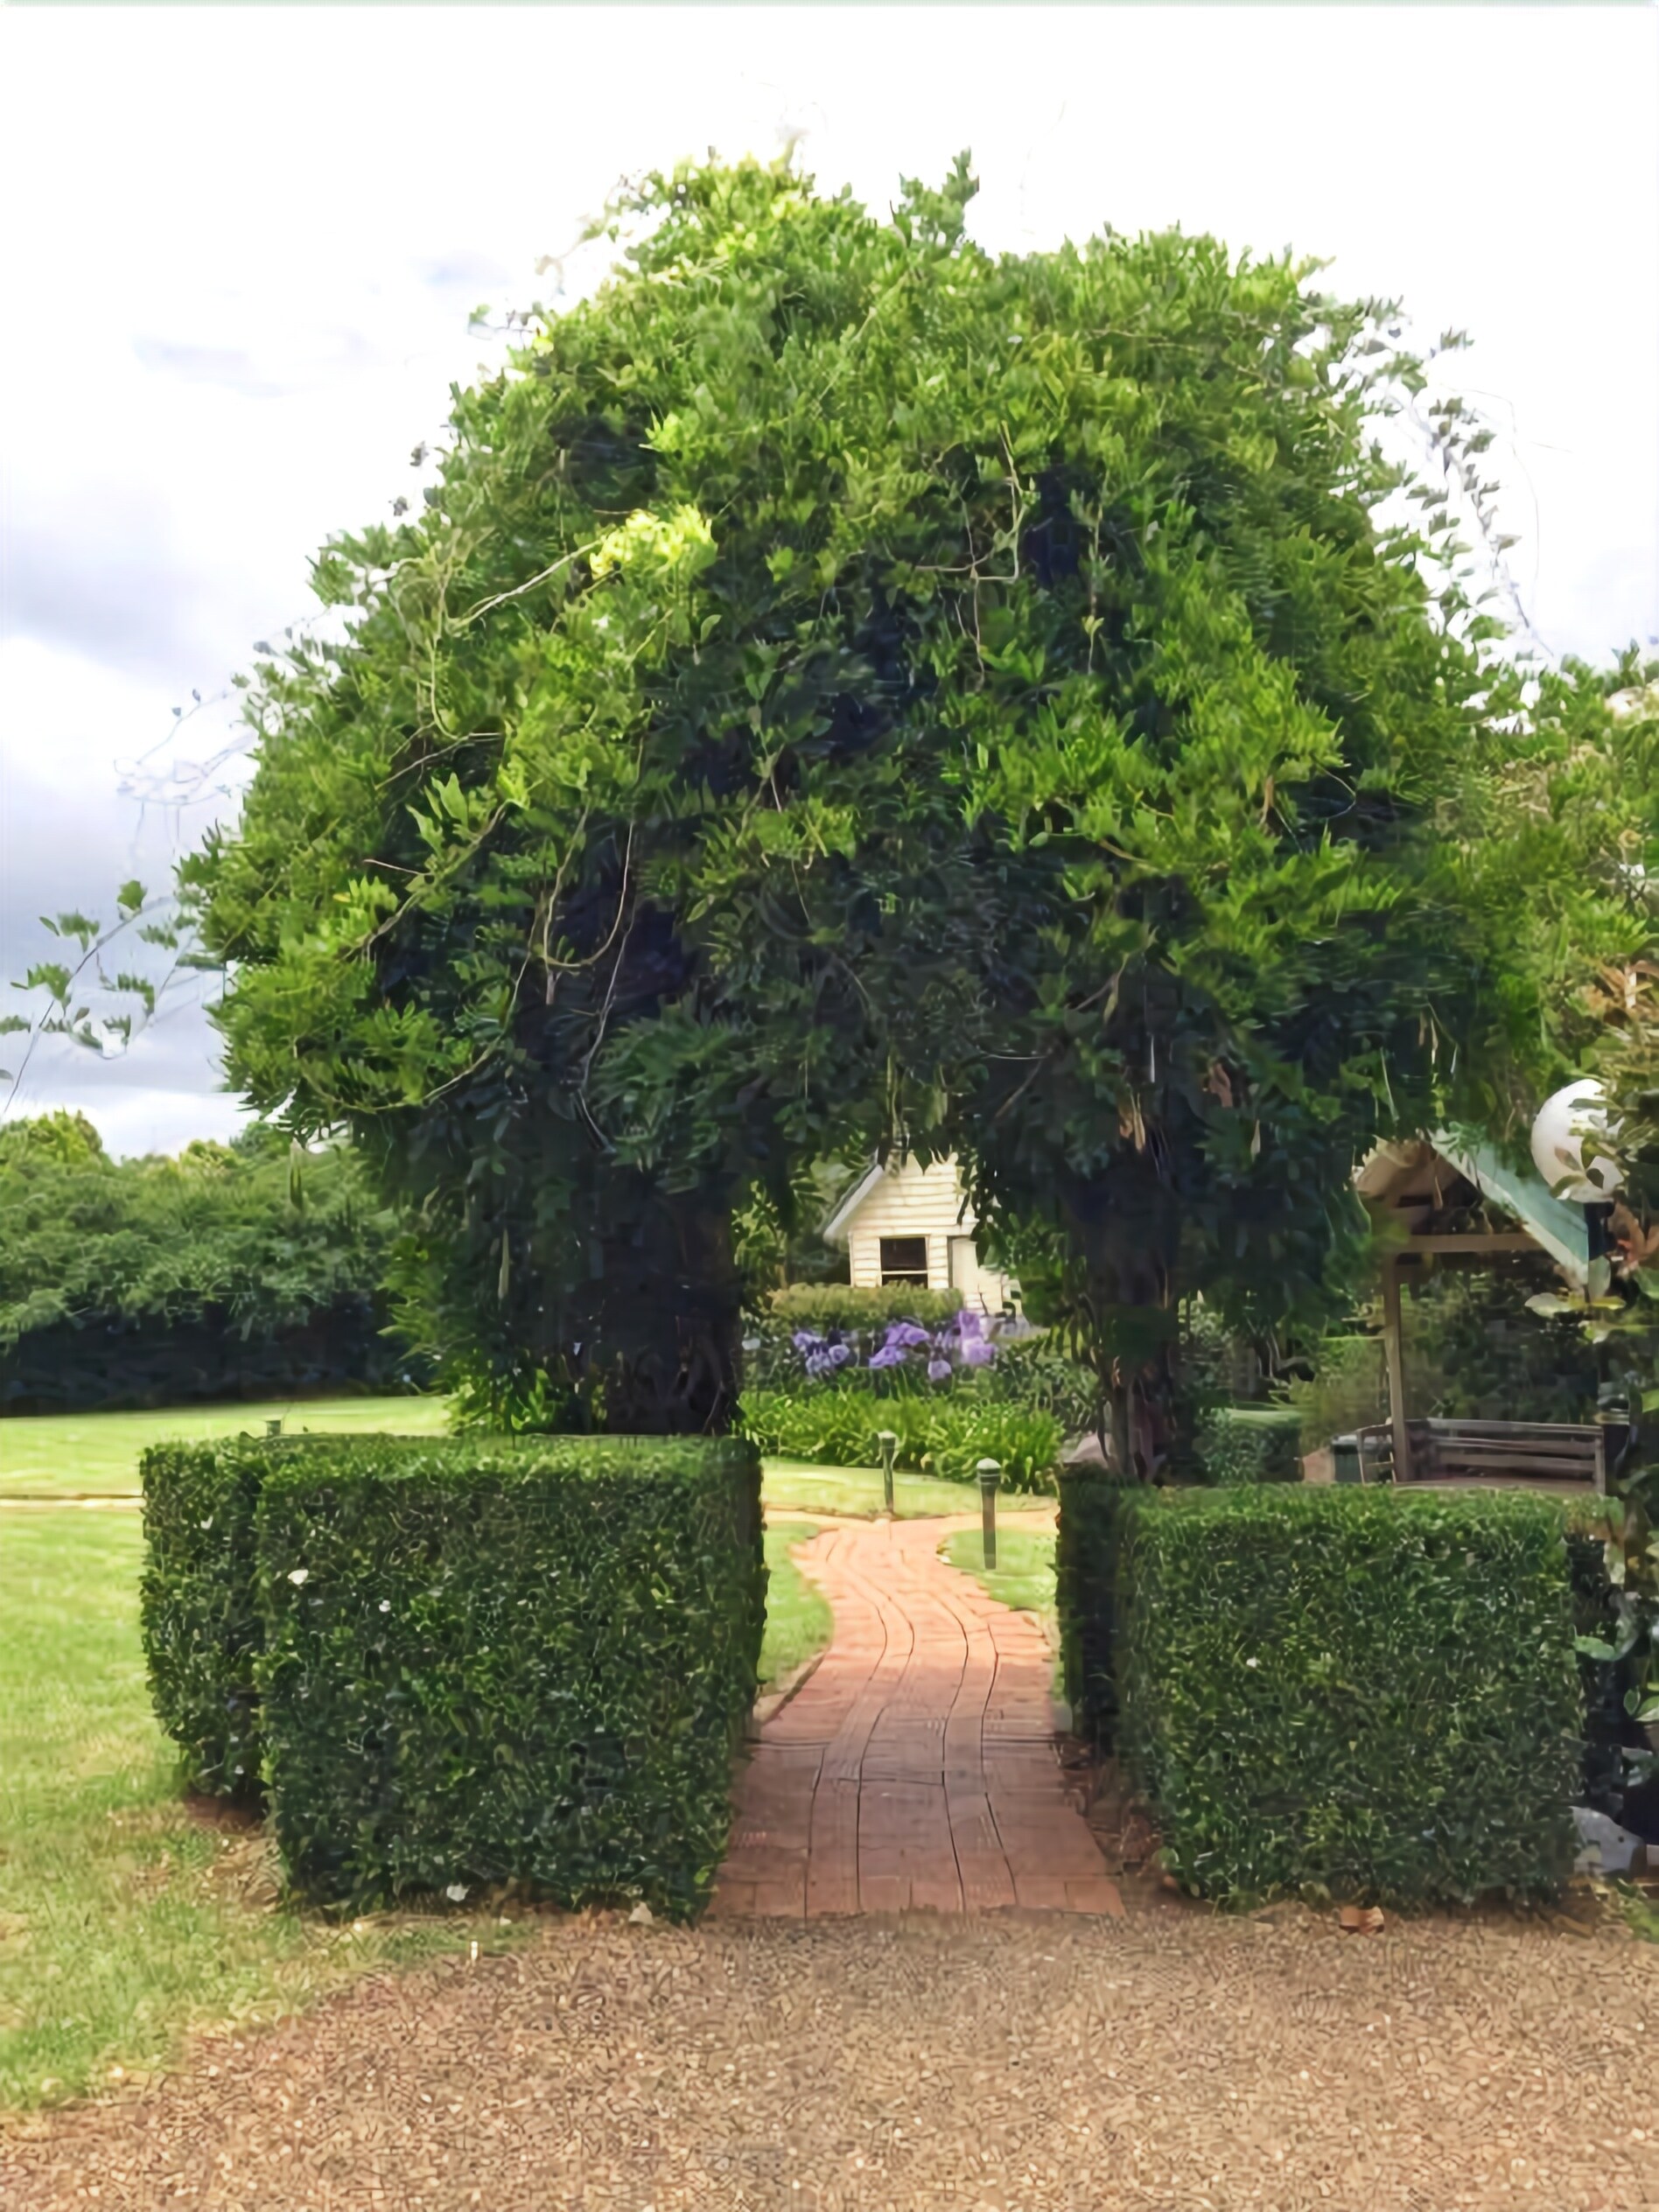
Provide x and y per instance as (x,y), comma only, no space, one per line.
(1123,1230)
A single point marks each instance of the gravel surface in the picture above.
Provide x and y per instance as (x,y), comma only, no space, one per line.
(1174,2061)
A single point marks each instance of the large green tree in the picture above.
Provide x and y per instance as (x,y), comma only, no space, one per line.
(844,688)
(1576,824)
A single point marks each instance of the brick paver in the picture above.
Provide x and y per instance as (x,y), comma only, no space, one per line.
(916,1768)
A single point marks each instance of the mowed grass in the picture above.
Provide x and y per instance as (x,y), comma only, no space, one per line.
(96,1454)
(799,1622)
(125,1918)
(74,1455)
(792,1486)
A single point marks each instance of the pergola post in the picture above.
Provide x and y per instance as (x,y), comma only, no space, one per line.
(1394,1354)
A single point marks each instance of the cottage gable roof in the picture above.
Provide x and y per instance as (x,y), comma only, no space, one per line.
(840,1219)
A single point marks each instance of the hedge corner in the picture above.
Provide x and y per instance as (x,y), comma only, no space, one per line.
(1353,1694)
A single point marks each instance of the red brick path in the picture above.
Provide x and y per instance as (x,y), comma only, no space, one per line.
(917,1766)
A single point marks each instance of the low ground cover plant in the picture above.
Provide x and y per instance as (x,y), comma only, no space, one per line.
(798,1622)
(1350,1692)
(473,1663)
(943,1435)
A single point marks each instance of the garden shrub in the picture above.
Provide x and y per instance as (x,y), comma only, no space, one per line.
(1034,1372)
(522,1660)
(1347,1388)
(1350,1693)
(198,1614)
(1250,1444)
(962,1431)
(1087,1541)
(947,1434)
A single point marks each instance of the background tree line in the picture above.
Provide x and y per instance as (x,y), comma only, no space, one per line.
(246,1270)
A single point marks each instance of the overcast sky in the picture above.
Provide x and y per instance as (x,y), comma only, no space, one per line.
(241,249)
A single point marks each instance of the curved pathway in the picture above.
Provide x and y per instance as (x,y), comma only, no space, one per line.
(916,1765)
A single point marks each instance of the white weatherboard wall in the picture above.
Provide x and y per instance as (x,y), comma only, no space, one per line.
(911,1200)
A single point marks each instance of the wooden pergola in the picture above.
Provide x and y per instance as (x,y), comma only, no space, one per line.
(1458,1205)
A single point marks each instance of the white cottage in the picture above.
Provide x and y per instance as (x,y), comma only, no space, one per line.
(907,1223)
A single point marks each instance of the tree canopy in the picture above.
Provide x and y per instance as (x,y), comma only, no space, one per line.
(844,689)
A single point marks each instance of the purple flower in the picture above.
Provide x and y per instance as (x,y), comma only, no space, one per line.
(806,1341)
(889,1355)
(839,1355)
(938,1371)
(967,1322)
(976,1352)
(908,1335)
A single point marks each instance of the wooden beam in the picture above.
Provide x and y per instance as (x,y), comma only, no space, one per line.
(1394,1352)
(1476,1240)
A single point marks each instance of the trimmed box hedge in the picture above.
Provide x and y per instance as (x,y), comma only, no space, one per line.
(1250,1444)
(1087,1543)
(491,1661)
(844,1305)
(1351,1693)
(199,1613)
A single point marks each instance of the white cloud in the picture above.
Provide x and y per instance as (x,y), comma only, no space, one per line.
(240,247)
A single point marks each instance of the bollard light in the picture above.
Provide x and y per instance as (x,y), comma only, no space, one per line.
(889,1444)
(990,1474)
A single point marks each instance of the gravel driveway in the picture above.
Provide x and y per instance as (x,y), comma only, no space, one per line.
(1173,2060)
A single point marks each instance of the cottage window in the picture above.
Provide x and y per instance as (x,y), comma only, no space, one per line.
(904,1259)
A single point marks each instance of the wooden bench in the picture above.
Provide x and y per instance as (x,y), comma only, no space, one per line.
(1495,1452)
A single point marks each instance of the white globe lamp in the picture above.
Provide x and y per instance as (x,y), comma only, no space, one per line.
(1564,1122)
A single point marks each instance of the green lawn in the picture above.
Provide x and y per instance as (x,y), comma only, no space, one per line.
(96,1454)
(793,1487)
(798,1619)
(125,1919)
(1024,1575)
(79,1454)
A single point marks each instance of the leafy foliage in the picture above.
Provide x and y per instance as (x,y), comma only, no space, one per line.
(847,688)
(230,1271)
(1251,1443)
(944,1433)
(491,1663)
(1472,1352)
(463,1663)
(1087,1543)
(199,1613)
(1346,1693)
(1580,814)
(779,1244)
